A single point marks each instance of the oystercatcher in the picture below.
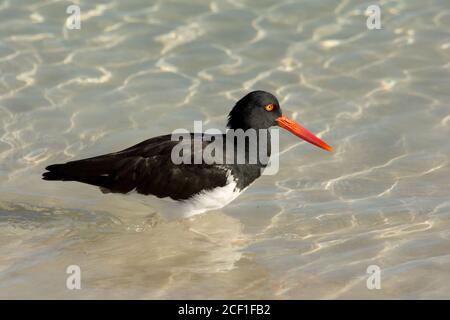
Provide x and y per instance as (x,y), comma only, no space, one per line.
(189,188)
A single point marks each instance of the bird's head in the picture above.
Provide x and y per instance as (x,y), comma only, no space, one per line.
(261,110)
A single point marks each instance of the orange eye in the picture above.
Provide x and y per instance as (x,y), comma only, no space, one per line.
(269,107)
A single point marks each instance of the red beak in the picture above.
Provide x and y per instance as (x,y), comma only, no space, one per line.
(301,132)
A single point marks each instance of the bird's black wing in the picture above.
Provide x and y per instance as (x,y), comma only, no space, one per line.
(146,168)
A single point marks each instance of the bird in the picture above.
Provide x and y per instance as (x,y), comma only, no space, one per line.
(182,190)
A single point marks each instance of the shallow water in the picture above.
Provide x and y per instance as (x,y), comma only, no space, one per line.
(137,69)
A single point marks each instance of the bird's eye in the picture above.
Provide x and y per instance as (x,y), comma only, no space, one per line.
(269,107)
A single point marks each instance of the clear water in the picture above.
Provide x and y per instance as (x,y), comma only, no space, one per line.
(138,69)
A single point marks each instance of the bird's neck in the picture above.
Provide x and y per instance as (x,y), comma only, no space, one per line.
(251,143)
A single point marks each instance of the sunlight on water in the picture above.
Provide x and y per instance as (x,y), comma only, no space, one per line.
(138,69)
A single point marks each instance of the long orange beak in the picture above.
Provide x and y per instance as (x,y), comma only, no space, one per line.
(301,132)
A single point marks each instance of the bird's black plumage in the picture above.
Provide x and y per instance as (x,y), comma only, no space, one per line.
(147,167)
(249,114)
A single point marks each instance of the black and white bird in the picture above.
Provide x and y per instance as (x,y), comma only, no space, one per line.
(186,189)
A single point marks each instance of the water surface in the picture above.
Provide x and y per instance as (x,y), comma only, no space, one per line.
(138,69)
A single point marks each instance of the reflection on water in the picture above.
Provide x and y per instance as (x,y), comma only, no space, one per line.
(138,69)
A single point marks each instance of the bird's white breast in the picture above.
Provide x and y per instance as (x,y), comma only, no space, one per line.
(212,199)
(201,202)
